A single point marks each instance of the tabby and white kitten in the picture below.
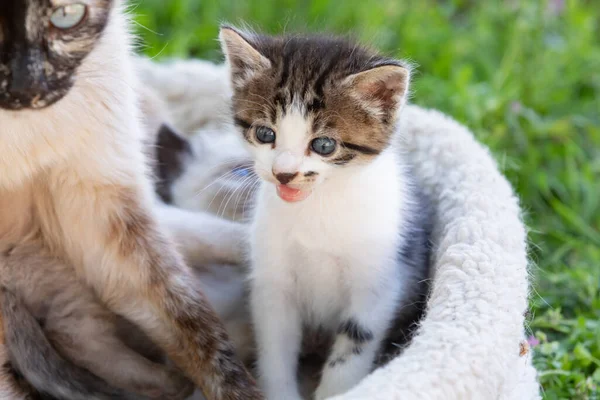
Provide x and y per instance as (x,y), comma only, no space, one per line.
(74,194)
(339,236)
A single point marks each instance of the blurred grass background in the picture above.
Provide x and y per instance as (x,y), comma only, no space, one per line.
(525,77)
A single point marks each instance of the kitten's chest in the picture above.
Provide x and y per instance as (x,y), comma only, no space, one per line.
(321,279)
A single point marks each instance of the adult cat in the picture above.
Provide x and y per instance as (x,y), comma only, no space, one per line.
(74,182)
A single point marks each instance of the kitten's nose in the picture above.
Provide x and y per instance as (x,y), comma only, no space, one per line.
(285,166)
(285,178)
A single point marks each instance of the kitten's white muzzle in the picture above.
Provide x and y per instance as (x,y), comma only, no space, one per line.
(286,162)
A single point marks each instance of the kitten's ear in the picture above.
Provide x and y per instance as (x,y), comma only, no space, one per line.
(384,86)
(243,58)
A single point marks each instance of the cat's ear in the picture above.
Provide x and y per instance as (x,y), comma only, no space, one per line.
(383,86)
(242,56)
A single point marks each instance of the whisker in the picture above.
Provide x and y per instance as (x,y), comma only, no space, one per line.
(241,185)
(245,188)
(146,28)
(260,97)
(253,188)
(231,173)
(228,172)
(247,109)
(229,162)
(246,183)
(219,191)
(253,102)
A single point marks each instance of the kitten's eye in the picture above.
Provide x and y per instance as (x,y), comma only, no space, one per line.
(323,145)
(67,17)
(265,135)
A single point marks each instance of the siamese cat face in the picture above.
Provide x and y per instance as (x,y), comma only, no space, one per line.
(42,42)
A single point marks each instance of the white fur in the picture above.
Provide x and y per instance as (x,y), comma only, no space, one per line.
(322,261)
(291,144)
(193,100)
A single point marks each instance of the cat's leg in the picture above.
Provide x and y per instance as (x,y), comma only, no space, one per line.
(278,331)
(41,365)
(86,332)
(9,388)
(204,238)
(119,248)
(28,281)
(360,333)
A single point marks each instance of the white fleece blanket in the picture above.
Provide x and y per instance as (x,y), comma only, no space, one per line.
(469,345)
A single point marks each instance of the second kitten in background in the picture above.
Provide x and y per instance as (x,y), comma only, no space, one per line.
(340,235)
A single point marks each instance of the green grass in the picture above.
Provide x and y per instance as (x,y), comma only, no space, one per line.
(525,77)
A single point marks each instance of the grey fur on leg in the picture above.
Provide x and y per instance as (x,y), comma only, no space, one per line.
(33,356)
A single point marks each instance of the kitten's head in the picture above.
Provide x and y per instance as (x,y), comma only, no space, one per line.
(42,42)
(311,107)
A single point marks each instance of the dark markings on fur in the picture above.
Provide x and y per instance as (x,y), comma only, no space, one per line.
(315,105)
(286,55)
(173,152)
(357,350)
(310,173)
(325,74)
(242,123)
(244,126)
(319,122)
(360,148)
(344,159)
(37,74)
(8,251)
(280,102)
(138,340)
(272,113)
(231,376)
(355,331)
(38,362)
(225,359)
(336,361)
(414,256)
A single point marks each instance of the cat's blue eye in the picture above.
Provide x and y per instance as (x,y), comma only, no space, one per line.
(265,135)
(323,145)
(69,16)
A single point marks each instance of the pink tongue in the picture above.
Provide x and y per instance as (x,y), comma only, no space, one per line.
(290,194)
